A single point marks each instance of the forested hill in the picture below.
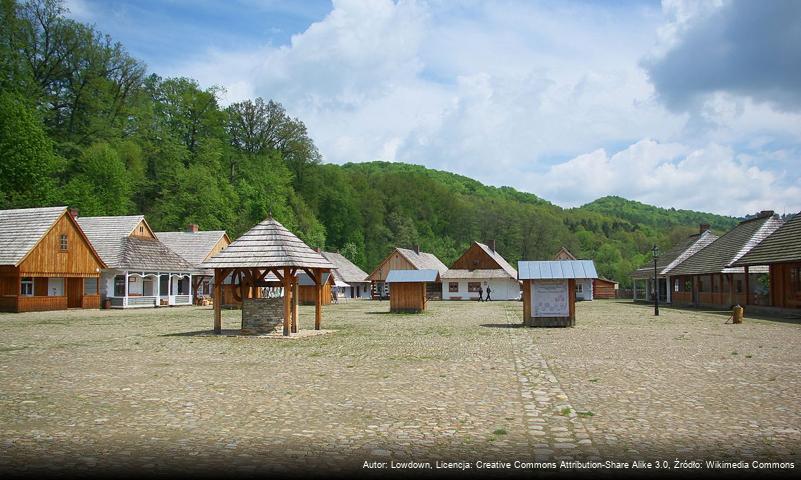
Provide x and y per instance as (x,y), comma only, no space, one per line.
(83,124)
(637,212)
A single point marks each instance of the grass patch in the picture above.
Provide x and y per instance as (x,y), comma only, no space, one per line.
(595,380)
(586,414)
(500,431)
(565,411)
(734,353)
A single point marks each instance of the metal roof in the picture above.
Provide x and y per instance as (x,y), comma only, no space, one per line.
(305,280)
(412,276)
(556,269)
(269,244)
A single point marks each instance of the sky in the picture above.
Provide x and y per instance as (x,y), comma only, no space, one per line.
(680,104)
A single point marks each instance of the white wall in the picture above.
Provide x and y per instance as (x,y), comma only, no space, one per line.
(586,286)
(502,289)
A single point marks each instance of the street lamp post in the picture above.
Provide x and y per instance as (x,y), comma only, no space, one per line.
(655,251)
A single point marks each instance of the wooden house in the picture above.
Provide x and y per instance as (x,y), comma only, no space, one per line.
(549,290)
(707,279)
(307,293)
(409,289)
(196,246)
(584,287)
(781,253)
(480,267)
(141,270)
(405,259)
(351,280)
(46,262)
(643,278)
(604,288)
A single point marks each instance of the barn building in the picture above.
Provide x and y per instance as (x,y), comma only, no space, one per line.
(196,246)
(584,286)
(603,288)
(643,278)
(409,289)
(549,290)
(348,278)
(480,267)
(707,279)
(405,259)
(141,270)
(46,262)
(781,252)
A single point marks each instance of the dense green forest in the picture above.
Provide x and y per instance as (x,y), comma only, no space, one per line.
(82,123)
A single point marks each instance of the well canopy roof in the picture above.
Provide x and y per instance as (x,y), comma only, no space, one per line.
(268,245)
(783,245)
(413,276)
(22,228)
(556,269)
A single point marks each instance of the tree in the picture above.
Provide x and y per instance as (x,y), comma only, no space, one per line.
(27,162)
(101,185)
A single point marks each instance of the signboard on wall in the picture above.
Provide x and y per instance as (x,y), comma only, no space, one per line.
(550,298)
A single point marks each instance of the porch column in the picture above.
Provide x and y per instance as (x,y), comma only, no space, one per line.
(669,288)
(295,292)
(191,298)
(158,289)
(318,298)
(125,298)
(747,287)
(169,289)
(287,306)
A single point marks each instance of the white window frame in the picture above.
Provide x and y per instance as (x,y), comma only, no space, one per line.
(63,242)
(26,282)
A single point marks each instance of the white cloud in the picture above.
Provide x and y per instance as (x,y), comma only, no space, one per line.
(500,91)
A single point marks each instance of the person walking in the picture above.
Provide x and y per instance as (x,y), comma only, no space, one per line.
(480,294)
(489,290)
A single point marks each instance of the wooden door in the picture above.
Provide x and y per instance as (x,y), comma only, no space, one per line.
(74,292)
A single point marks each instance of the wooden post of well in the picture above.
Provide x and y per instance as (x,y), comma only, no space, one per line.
(218,279)
(295,295)
(318,298)
(287,305)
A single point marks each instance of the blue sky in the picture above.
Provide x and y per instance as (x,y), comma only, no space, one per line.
(680,104)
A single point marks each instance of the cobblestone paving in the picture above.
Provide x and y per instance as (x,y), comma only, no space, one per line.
(144,390)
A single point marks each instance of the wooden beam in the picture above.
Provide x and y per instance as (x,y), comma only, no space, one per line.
(747,287)
(219,277)
(287,293)
(318,298)
(571,295)
(295,295)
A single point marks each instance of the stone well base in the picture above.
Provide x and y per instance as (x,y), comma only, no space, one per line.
(262,316)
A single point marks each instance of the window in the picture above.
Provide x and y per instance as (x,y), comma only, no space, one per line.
(453,287)
(738,286)
(90,286)
(795,279)
(675,285)
(119,286)
(63,242)
(26,286)
(579,288)
(473,286)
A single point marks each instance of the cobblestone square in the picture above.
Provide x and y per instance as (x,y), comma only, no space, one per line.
(147,390)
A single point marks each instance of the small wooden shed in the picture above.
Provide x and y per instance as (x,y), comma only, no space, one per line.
(307,290)
(407,289)
(604,288)
(549,290)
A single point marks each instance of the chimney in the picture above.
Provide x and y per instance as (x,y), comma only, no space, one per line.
(73,212)
(317,249)
(192,228)
(765,213)
(704,227)
(491,244)
(417,249)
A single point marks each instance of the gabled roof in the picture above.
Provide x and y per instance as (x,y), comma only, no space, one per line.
(111,237)
(556,269)
(783,245)
(728,248)
(680,252)
(499,259)
(194,247)
(346,271)
(422,260)
(564,252)
(22,228)
(413,276)
(267,245)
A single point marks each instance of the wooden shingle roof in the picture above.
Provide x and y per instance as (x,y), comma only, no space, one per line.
(346,271)
(193,246)
(423,260)
(783,245)
(111,237)
(729,247)
(21,229)
(680,252)
(267,245)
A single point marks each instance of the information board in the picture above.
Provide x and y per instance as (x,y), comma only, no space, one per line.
(550,298)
